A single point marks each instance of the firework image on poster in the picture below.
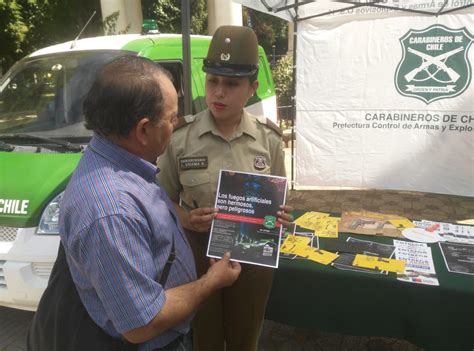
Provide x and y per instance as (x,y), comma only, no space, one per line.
(246,224)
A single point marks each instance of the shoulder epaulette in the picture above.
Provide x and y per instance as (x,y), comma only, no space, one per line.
(270,124)
(184,121)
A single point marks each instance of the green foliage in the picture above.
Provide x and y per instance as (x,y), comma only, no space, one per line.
(55,21)
(168,15)
(110,24)
(270,30)
(282,73)
(13,31)
(27,25)
(283,78)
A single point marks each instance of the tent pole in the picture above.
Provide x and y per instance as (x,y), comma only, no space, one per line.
(442,7)
(185,33)
(293,96)
(332,12)
(278,9)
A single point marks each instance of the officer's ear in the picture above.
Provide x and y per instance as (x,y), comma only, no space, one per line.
(253,88)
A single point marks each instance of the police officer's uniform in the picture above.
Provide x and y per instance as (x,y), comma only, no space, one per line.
(189,171)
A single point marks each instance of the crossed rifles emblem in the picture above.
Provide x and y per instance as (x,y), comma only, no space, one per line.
(438,61)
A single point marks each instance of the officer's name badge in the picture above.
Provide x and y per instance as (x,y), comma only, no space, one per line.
(199,162)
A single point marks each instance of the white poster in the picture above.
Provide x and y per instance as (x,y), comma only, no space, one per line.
(386,102)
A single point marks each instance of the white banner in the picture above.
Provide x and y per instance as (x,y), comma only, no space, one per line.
(386,102)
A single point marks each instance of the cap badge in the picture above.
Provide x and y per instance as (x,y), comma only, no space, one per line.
(260,162)
(227,40)
(225,57)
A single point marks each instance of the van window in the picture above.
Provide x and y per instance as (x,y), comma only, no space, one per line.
(175,68)
(44,95)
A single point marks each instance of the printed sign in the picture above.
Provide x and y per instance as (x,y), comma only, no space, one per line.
(434,64)
(246,224)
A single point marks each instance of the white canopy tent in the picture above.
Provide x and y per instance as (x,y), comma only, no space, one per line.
(302,10)
(383,93)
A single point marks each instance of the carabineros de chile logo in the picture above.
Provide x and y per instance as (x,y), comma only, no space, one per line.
(269,222)
(435,63)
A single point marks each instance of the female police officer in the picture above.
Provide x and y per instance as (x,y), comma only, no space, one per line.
(224,137)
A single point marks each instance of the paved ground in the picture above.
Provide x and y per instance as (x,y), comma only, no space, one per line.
(13,329)
(279,337)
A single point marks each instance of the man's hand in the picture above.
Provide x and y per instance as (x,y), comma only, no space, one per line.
(223,273)
(200,219)
(182,300)
(284,216)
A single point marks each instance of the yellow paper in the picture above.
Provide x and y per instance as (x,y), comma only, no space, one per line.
(307,220)
(297,239)
(402,223)
(326,227)
(320,256)
(293,241)
(380,263)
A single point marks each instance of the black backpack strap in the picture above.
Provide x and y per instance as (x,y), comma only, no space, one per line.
(167,268)
(168,264)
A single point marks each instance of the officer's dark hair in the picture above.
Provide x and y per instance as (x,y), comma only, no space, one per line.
(253,77)
(124,91)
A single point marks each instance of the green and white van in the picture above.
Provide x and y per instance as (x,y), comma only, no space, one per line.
(42,138)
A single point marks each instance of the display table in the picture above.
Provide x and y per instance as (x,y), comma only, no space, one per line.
(308,294)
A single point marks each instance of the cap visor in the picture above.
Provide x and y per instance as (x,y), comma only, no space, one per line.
(230,72)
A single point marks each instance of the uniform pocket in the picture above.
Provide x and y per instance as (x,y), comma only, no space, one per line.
(196,188)
(192,179)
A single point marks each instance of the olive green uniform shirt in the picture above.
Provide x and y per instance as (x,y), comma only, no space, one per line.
(189,168)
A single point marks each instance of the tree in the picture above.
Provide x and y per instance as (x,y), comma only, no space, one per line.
(168,15)
(12,32)
(55,21)
(283,77)
(270,30)
(27,25)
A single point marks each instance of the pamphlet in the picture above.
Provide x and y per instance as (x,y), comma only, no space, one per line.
(348,250)
(321,223)
(440,231)
(308,218)
(327,227)
(419,266)
(246,224)
(290,243)
(304,246)
(345,260)
(459,258)
(291,256)
(316,255)
(381,263)
(372,248)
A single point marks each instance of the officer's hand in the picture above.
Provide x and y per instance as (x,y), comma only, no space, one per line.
(224,272)
(284,216)
(200,219)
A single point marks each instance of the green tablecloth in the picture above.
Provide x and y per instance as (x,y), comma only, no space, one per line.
(308,294)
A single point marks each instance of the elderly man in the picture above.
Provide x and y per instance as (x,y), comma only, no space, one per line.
(119,228)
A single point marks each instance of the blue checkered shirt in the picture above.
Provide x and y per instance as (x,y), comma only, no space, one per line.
(116,224)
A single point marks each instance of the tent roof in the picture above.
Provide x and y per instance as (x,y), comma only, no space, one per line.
(299,10)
